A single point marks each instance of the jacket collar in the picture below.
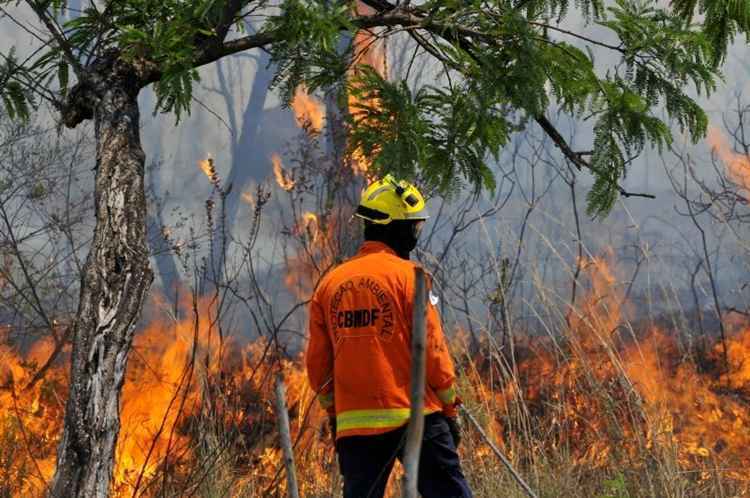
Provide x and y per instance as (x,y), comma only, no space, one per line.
(373,246)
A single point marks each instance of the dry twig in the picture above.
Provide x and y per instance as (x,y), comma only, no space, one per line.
(286,438)
(416,418)
(526,488)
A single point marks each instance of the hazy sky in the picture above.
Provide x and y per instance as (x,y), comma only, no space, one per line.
(206,131)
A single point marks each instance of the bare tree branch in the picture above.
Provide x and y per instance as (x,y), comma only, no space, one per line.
(58,35)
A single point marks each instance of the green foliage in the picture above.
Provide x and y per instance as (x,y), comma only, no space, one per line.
(443,136)
(624,128)
(571,76)
(616,488)
(505,64)
(164,33)
(514,71)
(509,61)
(663,55)
(16,102)
(723,20)
(91,28)
(309,50)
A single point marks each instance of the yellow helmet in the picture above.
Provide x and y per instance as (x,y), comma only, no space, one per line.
(386,200)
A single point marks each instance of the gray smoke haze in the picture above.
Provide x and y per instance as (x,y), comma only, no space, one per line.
(240,124)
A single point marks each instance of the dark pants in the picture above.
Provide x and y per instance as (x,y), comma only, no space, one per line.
(366,462)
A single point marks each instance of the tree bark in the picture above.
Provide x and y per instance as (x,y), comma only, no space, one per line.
(113,286)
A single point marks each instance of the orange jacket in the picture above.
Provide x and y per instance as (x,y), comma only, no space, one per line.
(359,354)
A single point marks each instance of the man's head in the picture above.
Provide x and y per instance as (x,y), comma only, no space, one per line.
(394,213)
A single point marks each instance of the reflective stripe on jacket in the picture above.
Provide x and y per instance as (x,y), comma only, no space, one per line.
(359,354)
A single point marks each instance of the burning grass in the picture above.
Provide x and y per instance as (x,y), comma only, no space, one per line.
(195,411)
(605,408)
(612,406)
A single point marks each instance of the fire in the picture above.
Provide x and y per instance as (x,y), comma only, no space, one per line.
(30,421)
(320,235)
(282,178)
(171,408)
(311,224)
(308,111)
(609,395)
(601,396)
(369,49)
(738,165)
(317,253)
(208,168)
(691,409)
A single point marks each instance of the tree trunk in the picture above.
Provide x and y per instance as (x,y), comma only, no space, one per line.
(115,280)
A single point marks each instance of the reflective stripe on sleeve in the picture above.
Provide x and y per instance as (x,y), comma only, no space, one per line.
(447,396)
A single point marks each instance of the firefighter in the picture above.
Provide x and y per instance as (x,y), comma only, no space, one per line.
(359,353)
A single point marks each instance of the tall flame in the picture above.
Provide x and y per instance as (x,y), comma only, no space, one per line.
(308,110)
(319,246)
(698,413)
(738,165)
(368,48)
(207,166)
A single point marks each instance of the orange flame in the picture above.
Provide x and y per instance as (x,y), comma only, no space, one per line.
(738,165)
(638,384)
(311,224)
(606,394)
(308,110)
(208,168)
(30,420)
(282,178)
(162,400)
(318,239)
(369,49)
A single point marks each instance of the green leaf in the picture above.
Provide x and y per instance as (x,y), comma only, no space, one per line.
(62,75)
(309,51)
(443,138)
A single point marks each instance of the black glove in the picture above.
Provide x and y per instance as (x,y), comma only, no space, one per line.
(454,424)
(332,428)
